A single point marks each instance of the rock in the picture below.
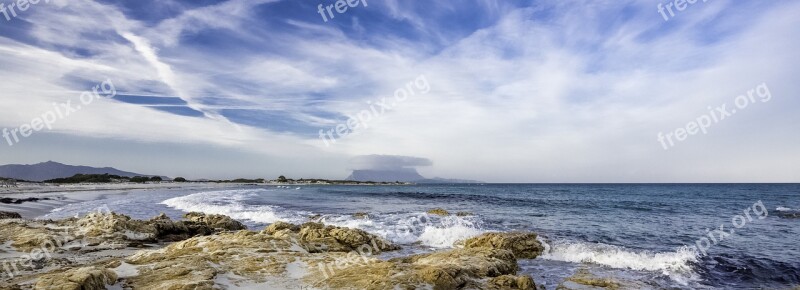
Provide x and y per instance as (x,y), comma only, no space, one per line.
(439,211)
(464,213)
(182,273)
(454,269)
(29,235)
(352,239)
(512,282)
(789,215)
(361,215)
(280,226)
(583,279)
(523,245)
(9,215)
(321,238)
(86,278)
(196,263)
(215,221)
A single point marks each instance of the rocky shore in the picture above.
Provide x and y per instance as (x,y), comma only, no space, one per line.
(109,250)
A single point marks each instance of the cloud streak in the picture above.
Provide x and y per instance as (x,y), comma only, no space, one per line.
(550,91)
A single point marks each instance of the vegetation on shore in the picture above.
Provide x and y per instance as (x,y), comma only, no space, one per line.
(102,178)
(112,178)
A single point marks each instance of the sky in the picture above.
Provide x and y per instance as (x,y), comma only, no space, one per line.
(499,91)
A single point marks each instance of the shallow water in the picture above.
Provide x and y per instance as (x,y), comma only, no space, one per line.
(641,232)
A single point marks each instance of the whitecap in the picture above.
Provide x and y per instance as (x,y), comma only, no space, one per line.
(677,265)
(231,203)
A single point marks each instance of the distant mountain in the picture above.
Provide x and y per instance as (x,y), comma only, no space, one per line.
(402,175)
(51,170)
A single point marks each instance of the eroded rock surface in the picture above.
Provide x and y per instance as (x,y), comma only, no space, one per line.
(218,251)
(85,278)
(523,245)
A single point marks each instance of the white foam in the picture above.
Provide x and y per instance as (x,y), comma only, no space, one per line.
(229,203)
(408,228)
(446,237)
(675,264)
(402,228)
(781,208)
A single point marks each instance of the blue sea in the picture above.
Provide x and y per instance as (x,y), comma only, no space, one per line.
(678,236)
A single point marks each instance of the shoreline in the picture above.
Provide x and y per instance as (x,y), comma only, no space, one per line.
(56,196)
(103,250)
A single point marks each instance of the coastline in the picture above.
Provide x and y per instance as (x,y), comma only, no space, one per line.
(54,196)
(108,250)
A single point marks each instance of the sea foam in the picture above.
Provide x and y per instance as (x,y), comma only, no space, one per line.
(677,264)
(408,228)
(230,203)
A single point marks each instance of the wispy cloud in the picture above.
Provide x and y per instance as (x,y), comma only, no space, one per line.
(520,91)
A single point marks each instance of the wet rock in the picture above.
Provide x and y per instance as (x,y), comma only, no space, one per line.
(512,282)
(86,278)
(464,213)
(789,215)
(361,215)
(9,215)
(523,245)
(8,200)
(439,211)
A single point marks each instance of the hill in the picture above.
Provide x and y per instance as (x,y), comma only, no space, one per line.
(52,170)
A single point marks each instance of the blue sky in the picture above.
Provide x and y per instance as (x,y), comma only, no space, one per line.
(520,91)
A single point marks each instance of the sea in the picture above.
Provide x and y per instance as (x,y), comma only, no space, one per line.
(666,236)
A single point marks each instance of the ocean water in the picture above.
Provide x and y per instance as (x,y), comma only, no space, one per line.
(680,236)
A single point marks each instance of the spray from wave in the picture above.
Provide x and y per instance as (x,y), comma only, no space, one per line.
(233,204)
(677,265)
(402,228)
(408,228)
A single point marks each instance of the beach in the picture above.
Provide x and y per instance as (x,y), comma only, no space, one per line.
(49,196)
(238,236)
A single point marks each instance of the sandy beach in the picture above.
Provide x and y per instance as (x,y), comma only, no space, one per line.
(54,196)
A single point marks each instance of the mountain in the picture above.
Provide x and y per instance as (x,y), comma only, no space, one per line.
(402,175)
(50,170)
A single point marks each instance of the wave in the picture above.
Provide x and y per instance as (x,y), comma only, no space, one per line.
(678,265)
(409,228)
(402,228)
(231,203)
(781,208)
(450,230)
